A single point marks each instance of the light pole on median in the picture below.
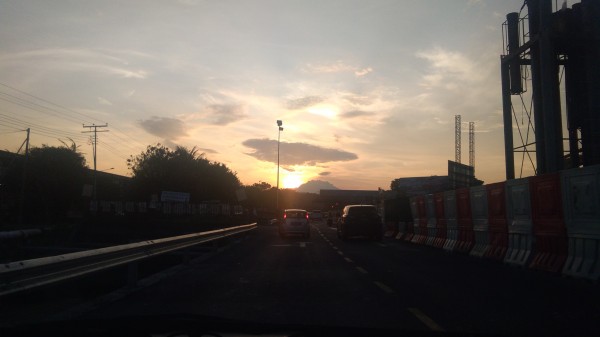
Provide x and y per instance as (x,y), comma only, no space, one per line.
(279,125)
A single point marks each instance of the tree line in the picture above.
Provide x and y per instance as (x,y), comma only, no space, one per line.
(48,183)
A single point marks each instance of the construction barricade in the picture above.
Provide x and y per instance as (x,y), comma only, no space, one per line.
(479,214)
(410,231)
(498,228)
(431,219)
(450,217)
(518,219)
(549,227)
(402,230)
(466,236)
(417,206)
(581,202)
(440,222)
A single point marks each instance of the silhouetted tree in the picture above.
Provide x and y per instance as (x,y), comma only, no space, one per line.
(54,178)
(159,168)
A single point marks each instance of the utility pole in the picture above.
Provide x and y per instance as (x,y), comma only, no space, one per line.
(94,143)
(25,164)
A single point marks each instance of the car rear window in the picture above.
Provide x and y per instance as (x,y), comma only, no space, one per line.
(292,214)
(362,211)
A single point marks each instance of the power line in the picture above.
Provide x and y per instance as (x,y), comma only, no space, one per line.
(27,124)
(62,113)
(49,102)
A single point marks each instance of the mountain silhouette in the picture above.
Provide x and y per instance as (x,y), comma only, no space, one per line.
(315,186)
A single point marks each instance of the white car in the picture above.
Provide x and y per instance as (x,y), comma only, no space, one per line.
(295,221)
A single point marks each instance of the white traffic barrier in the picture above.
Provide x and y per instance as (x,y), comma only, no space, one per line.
(479,213)
(518,217)
(581,207)
(452,225)
(414,209)
(431,219)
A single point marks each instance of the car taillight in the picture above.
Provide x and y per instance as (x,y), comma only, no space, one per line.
(306,216)
(284,216)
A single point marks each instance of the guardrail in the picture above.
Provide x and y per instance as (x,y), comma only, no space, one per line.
(29,274)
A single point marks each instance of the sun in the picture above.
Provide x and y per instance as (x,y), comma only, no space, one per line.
(292,180)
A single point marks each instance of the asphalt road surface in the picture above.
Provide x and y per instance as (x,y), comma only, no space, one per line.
(360,283)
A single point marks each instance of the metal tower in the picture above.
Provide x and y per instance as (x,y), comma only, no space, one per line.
(457,138)
(472,144)
(545,52)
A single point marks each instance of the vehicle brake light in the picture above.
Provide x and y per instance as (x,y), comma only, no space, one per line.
(285,215)
(307,216)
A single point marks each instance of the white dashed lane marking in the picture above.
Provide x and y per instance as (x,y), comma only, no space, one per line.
(431,324)
(362,270)
(384,287)
(348,260)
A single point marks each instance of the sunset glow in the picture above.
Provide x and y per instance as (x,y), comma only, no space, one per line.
(292,180)
(363,99)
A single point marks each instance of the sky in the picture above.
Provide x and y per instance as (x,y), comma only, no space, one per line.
(367,90)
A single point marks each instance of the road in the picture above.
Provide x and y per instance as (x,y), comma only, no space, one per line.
(389,284)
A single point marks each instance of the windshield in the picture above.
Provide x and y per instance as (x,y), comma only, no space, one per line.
(159,159)
(295,214)
(362,211)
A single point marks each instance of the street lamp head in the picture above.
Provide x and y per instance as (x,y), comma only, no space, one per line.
(281,128)
(279,122)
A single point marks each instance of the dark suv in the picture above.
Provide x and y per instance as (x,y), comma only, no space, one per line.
(360,220)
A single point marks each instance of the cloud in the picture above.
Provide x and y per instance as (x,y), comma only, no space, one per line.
(165,127)
(337,67)
(326,173)
(447,69)
(356,113)
(104,101)
(363,72)
(359,100)
(223,114)
(295,153)
(104,61)
(304,102)
(204,150)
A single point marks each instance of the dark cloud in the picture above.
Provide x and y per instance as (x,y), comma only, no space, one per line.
(295,153)
(223,114)
(304,102)
(164,127)
(356,113)
(203,150)
(323,174)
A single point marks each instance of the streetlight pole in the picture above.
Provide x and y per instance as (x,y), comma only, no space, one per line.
(279,123)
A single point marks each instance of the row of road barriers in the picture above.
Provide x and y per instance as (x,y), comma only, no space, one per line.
(549,222)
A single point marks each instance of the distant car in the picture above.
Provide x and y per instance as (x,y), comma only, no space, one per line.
(360,220)
(315,215)
(295,221)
